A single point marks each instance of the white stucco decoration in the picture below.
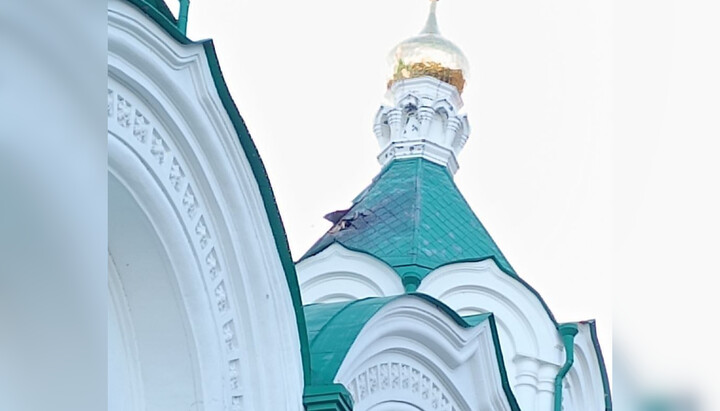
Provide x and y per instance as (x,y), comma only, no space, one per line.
(423,121)
(195,273)
(338,274)
(411,355)
(531,346)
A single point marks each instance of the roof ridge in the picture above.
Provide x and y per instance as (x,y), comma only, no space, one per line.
(417,211)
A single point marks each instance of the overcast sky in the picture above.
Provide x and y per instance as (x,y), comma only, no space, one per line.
(591,160)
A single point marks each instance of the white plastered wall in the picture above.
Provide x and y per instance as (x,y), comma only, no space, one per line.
(198,277)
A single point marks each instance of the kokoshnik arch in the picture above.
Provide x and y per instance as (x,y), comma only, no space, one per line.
(406,303)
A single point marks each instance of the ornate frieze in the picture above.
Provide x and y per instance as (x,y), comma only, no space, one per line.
(156,150)
(403,379)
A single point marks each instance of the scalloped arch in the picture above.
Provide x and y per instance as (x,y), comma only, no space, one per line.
(412,352)
(362,275)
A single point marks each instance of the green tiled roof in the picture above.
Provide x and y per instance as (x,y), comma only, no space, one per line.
(413,217)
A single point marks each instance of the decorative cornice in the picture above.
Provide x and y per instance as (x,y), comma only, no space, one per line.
(422,122)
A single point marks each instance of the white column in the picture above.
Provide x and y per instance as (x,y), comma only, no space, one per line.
(546,387)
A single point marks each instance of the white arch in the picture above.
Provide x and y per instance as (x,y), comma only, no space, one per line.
(353,274)
(149,273)
(443,106)
(532,349)
(174,147)
(411,352)
(125,390)
(482,286)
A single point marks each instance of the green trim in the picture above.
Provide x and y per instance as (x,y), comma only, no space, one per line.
(164,19)
(501,365)
(268,197)
(411,282)
(333,329)
(258,169)
(331,397)
(601,362)
(183,17)
(567,333)
(163,8)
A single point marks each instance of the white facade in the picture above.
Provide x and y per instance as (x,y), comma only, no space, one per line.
(194,270)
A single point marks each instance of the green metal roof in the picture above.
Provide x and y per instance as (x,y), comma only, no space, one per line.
(413,217)
(332,329)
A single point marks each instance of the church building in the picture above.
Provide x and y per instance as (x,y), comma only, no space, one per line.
(405,303)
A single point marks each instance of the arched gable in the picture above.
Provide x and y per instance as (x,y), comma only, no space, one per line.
(179,150)
(528,334)
(360,276)
(475,287)
(408,351)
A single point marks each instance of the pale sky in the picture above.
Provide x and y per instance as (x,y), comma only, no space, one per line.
(590,159)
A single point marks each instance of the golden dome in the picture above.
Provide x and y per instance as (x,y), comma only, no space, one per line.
(429,54)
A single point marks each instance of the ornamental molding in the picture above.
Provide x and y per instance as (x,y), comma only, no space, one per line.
(414,353)
(531,347)
(130,123)
(192,149)
(339,274)
(528,336)
(400,379)
(423,121)
(476,287)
